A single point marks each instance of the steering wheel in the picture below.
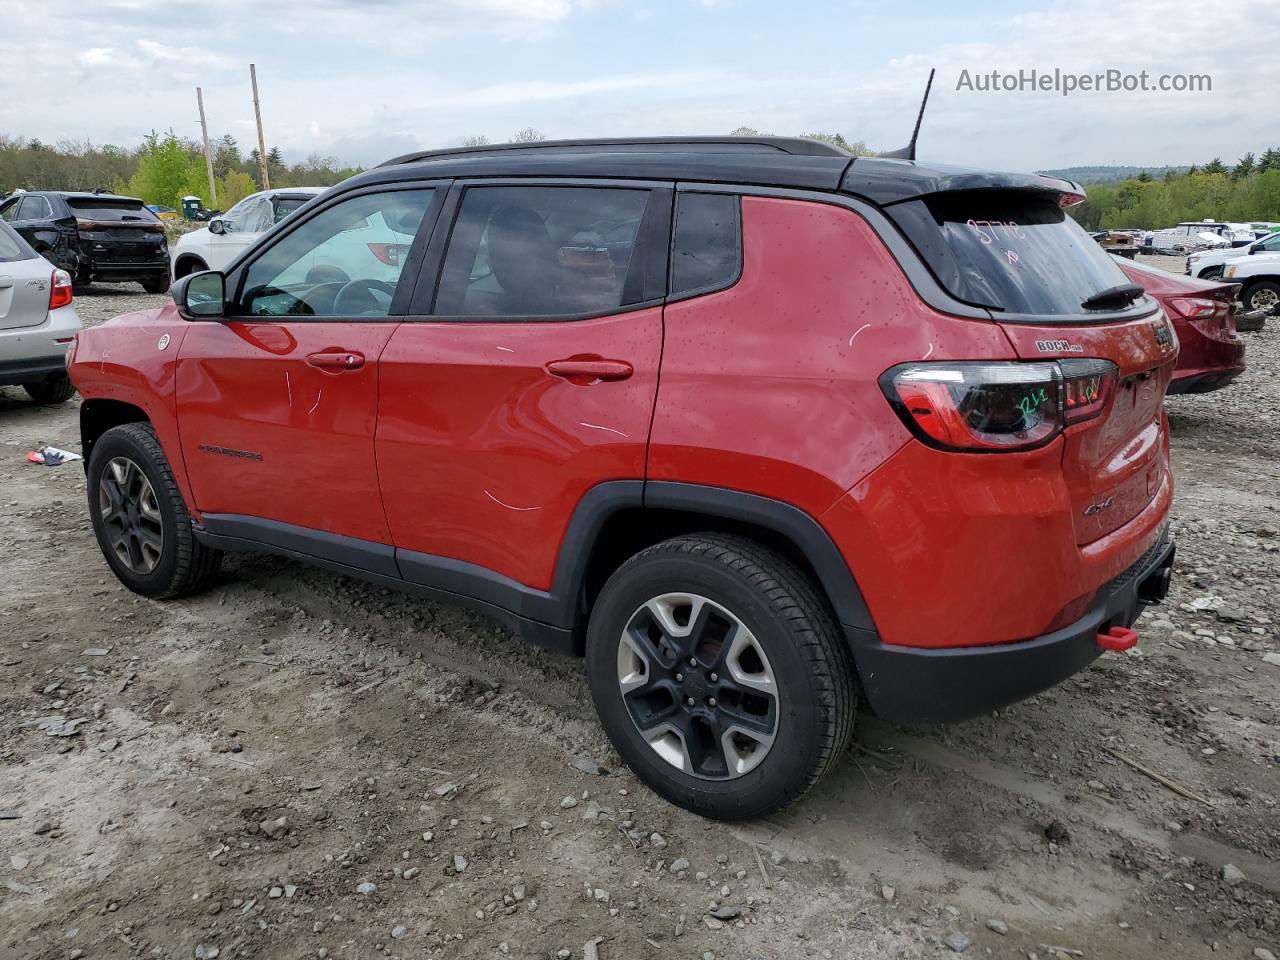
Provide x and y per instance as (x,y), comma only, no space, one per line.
(360,293)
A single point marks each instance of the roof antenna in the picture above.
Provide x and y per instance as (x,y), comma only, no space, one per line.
(909,151)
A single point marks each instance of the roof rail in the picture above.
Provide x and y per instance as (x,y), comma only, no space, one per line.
(795,146)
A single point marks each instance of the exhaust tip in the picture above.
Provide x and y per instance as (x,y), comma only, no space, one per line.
(1156,586)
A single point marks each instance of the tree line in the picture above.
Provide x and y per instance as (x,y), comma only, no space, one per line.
(1246,192)
(162,170)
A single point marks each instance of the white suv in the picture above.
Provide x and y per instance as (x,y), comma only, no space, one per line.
(1208,264)
(230,234)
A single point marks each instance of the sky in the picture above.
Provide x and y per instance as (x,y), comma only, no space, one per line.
(365,80)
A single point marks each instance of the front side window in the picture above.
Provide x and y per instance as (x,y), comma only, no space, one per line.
(286,205)
(540,251)
(707,244)
(251,215)
(1270,243)
(343,262)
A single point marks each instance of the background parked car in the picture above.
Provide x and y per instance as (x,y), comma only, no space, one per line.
(1259,278)
(1207,264)
(93,236)
(1204,316)
(229,234)
(37,321)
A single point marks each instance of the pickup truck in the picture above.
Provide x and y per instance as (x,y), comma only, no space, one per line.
(1208,264)
(1259,279)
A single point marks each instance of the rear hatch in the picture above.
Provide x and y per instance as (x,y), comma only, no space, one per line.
(25,282)
(1058,296)
(118,229)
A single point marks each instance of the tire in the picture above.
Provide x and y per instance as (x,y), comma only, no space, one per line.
(1211,273)
(155,284)
(189,265)
(795,650)
(57,389)
(166,560)
(1261,295)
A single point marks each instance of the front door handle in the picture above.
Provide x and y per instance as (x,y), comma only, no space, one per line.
(336,360)
(585,370)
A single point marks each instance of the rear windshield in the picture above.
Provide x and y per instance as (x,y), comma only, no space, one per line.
(12,246)
(1010,251)
(97,208)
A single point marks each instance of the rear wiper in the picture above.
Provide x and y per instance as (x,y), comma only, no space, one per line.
(1121,295)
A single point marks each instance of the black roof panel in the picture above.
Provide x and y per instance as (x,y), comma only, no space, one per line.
(795,162)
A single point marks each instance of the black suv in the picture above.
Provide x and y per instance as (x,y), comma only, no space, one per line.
(93,236)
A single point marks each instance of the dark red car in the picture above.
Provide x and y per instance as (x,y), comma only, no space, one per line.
(1210,354)
(756,426)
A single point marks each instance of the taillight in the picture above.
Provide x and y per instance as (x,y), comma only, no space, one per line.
(60,292)
(389,253)
(1069,199)
(990,407)
(1198,308)
(1087,386)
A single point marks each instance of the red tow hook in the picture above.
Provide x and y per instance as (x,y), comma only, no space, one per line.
(1117,638)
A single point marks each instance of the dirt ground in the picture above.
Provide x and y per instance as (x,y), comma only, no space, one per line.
(294,765)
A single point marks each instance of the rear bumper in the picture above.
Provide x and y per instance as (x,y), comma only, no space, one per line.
(917,685)
(31,354)
(1203,381)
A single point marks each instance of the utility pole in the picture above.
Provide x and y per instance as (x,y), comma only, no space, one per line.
(262,144)
(208,155)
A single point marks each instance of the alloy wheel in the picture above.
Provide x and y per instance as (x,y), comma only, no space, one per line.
(131,515)
(698,686)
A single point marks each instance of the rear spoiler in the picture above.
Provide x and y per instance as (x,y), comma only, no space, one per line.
(884,180)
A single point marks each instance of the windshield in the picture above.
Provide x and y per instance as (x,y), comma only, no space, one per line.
(110,211)
(251,215)
(1012,251)
(12,246)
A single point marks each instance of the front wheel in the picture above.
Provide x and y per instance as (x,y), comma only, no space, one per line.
(720,675)
(1263,295)
(140,519)
(155,284)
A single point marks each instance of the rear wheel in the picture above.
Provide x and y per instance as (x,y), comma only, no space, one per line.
(720,675)
(140,519)
(57,389)
(1262,295)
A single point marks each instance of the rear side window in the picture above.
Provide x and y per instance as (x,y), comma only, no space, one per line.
(110,211)
(540,251)
(1007,250)
(35,208)
(706,249)
(12,246)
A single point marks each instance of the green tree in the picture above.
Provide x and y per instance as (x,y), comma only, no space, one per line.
(233,187)
(857,148)
(1244,167)
(167,171)
(1214,166)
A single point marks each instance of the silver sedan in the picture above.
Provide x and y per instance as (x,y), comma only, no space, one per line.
(37,321)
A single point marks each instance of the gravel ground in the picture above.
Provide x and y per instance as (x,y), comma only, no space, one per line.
(294,765)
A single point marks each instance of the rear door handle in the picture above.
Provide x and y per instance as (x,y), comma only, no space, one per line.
(336,360)
(592,369)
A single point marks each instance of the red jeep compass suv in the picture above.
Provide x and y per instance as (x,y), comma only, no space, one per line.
(757,426)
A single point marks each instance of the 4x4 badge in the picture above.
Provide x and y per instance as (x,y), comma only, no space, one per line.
(1095,508)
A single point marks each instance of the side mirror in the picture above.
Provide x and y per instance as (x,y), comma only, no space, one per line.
(201,296)
(217,225)
(1255,248)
